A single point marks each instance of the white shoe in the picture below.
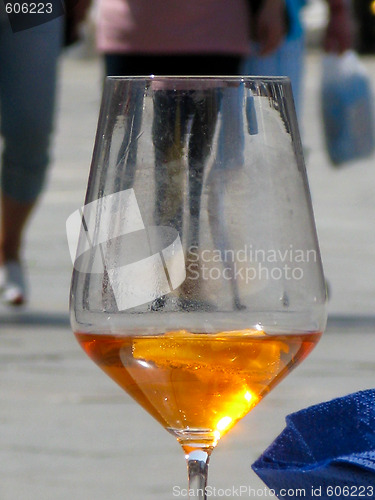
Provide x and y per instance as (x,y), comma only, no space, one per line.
(12,284)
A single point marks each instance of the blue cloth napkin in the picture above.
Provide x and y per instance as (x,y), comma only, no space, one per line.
(326,451)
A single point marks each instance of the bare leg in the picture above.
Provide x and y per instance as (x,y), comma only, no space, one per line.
(14,216)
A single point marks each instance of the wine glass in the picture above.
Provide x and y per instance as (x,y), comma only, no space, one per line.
(197,282)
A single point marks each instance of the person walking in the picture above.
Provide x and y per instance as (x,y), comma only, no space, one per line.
(288,58)
(28,73)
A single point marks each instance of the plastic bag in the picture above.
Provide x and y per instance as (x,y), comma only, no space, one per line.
(347,108)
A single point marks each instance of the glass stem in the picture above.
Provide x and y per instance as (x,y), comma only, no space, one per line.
(197,464)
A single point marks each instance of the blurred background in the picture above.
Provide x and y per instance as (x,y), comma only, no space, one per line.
(66,431)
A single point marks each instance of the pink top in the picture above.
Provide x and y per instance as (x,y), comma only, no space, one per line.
(173,27)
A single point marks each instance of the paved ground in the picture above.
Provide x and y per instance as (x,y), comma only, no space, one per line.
(66,432)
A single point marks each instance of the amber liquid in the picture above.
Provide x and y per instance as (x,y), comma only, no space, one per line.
(198,385)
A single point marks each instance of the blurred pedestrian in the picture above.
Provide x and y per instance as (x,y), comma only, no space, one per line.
(28,78)
(288,58)
(175,37)
(283,59)
(28,70)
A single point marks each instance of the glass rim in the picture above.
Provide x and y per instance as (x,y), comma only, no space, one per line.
(196,78)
